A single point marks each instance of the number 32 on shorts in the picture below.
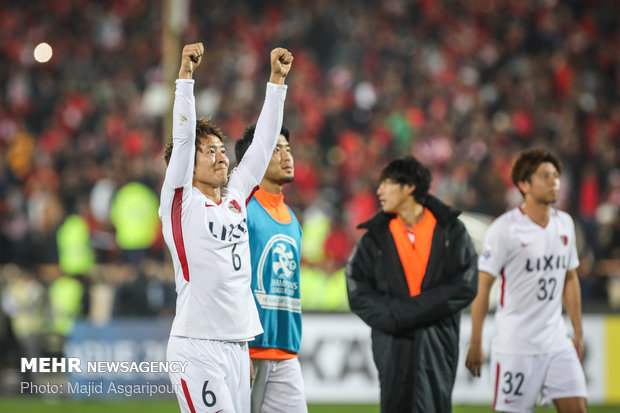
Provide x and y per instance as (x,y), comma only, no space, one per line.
(512,383)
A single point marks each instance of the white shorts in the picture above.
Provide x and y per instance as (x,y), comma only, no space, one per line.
(278,387)
(216,378)
(520,378)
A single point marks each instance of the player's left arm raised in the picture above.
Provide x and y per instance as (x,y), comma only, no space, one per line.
(571,297)
(281,61)
(255,161)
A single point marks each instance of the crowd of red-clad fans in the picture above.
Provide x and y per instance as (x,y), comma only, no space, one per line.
(461,85)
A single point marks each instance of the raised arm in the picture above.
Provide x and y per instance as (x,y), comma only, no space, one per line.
(181,164)
(191,56)
(252,167)
(281,61)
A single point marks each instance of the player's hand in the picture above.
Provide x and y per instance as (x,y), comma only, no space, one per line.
(578,343)
(474,359)
(190,59)
(281,61)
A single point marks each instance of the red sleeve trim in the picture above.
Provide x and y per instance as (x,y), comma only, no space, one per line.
(503,288)
(247,201)
(177,230)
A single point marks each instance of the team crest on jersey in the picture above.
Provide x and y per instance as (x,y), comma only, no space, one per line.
(564,239)
(485,253)
(234,207)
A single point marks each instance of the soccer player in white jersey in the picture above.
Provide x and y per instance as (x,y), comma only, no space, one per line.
(531,251)
(204,222)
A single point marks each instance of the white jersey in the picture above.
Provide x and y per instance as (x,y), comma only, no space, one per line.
(530,262)
(208,241)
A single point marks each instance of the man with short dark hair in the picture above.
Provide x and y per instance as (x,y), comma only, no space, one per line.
(275,246)
(531,249)
(408,278)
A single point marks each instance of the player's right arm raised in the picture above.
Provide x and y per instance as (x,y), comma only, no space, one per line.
(180,168)
(190,59)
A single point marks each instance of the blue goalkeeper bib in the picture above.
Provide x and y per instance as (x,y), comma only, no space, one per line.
(276,250)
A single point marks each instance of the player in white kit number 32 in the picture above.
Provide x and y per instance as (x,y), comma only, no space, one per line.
(204,222)
(531,251)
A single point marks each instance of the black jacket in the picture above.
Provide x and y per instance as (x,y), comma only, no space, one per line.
(414,339)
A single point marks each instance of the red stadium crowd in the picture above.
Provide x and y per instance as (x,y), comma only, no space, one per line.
(461,85)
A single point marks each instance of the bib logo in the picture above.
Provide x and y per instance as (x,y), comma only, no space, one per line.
(284,264)
(279,256)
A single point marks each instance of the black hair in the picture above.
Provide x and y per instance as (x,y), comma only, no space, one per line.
(204,128)
(528,161)
(409,171)
(243,144)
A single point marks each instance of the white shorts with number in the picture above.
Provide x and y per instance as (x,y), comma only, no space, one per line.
(278,387)
(520,378)
(216,377)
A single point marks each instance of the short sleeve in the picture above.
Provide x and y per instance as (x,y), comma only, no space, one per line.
(494,250)
(573,261)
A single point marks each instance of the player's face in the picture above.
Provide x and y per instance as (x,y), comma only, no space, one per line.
(393,196)
(281,168)
(211,162)
(544,185)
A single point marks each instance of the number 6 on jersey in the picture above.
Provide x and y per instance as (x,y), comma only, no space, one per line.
(236,258)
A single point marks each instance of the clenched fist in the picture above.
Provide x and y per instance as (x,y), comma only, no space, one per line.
(281,60)
(190,59)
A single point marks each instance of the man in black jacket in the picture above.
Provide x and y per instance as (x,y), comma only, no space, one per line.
(408,278)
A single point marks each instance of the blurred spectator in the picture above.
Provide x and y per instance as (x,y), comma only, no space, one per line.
(75,253)
(323,291)
(68,299)
(24,302)
(144,292)
(134,214)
